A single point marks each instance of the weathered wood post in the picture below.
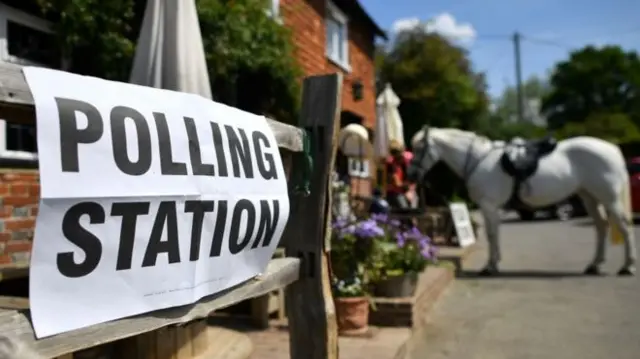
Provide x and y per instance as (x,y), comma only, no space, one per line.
(310,308)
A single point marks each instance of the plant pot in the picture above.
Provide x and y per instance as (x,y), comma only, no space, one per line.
(353,315)
(397,286)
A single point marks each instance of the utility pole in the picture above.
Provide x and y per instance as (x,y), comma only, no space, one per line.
(519,94)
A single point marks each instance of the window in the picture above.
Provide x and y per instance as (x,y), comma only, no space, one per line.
(26,40)
(34,46)
(358,167)
(21,137)
(337,36)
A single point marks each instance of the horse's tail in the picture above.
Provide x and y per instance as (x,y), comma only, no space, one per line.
(625,199)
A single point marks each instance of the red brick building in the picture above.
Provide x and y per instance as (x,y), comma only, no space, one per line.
(337,35)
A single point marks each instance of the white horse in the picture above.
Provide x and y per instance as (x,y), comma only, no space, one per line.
(592,168)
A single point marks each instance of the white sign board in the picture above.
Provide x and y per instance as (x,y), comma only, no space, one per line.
(150,199)
(462,223)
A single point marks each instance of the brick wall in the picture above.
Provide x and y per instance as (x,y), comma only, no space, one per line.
(19,196)
(306,19)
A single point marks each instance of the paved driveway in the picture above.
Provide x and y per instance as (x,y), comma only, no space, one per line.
(542,307)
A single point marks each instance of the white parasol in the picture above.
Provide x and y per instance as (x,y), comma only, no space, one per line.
(170,53)
(389,124)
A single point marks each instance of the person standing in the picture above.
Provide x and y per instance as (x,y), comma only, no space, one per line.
(399,191)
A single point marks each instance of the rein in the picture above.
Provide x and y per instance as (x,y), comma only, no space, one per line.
(466,170)
(467,174)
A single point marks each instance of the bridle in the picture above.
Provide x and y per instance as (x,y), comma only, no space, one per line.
(466,170)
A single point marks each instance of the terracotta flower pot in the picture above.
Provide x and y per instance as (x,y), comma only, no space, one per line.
(353,315)
(397,286)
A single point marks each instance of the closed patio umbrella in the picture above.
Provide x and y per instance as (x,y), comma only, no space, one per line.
(388,128)
(391,122)
(170,53)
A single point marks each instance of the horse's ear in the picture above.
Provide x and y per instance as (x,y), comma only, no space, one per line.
(425,129)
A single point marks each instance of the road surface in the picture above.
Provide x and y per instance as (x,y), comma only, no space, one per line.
(542,307)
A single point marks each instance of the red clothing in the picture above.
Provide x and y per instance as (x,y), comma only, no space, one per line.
(396,168)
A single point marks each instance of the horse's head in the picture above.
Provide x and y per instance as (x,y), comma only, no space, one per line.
(425,155)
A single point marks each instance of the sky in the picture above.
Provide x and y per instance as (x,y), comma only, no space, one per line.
(550,29)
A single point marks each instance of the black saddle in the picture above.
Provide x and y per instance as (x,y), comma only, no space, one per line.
(520,160)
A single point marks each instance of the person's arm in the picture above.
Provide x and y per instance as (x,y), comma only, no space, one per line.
(396,180)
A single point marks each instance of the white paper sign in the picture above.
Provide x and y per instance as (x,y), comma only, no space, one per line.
(462,223)
(150,199)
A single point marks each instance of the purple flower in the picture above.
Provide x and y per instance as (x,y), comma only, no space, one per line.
(400,239)
(380,217)
(368,229)
(426,253)
(339,223)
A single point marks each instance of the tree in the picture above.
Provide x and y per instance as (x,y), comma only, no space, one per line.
(497,127)
(250,58)
(94,36)
(501,123)
(507,104)
(613,127)
(249,55)
(434,81)
(594,80)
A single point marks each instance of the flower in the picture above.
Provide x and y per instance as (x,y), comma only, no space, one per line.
(404,250)
(367,229)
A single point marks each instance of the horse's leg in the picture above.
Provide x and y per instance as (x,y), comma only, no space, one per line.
(492,225)
(601,225)
(616,212)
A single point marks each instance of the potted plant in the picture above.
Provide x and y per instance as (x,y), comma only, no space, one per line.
(352,305)
(351,251)
(400,257)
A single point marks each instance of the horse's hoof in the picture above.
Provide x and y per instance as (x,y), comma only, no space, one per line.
(487,272)
(627,272)
(592,270)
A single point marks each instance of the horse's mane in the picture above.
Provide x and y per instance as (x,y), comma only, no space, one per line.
(452,132)
(467,134)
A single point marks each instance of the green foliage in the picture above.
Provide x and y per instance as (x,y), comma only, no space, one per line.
(507,105)
(502,124)
(395,259)
(249,55)
(435,81)
(348,288)
(613,127)
(352,248)
(94,35)
(499,128)
(250,58)
(594,80)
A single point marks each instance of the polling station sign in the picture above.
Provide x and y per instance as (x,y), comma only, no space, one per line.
(150,199)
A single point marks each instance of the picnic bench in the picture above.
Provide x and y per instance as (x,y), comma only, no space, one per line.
(181,332)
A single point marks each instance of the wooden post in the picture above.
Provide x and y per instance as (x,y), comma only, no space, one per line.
(199,337)
(313,330)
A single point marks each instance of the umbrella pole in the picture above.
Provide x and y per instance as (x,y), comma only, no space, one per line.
(383,179)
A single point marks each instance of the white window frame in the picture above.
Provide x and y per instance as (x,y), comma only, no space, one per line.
(334,13)
(273,11)
(358,167)
(11,14)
